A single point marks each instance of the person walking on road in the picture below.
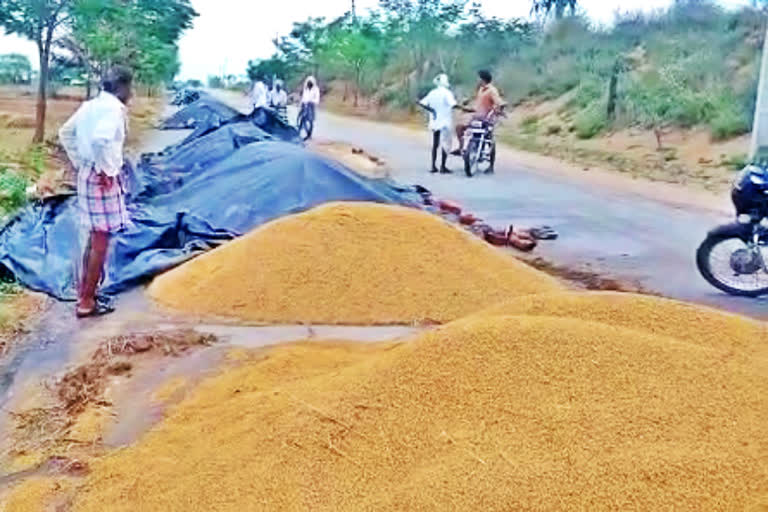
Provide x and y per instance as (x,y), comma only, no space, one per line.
(278,100)
(440,103)
(259,94)
(488,101)
(310,99)
(93,139)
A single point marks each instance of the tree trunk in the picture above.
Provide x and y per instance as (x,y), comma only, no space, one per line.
(357,85)
(88,77)
(612,92)
(559,9)
(42,92)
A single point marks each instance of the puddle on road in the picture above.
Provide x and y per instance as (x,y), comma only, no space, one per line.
(60,342)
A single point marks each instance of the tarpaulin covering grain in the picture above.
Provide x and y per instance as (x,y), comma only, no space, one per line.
(206,109)
(184,203)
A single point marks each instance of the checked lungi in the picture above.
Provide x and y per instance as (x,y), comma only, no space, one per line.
(102,208)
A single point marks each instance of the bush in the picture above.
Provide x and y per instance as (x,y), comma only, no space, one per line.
(13,191)
(530,124)
(727,124)
(590,122)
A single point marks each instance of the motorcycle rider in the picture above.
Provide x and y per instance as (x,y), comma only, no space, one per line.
(488,100)
(440,103)
(310,99)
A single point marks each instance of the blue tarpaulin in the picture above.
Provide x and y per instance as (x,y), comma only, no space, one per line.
(185,201)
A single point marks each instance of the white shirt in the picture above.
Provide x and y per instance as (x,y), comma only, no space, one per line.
(311,95)
(442,101)
(279,98)
(259,95)
(94,136)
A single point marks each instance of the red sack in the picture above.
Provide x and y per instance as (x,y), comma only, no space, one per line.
(449,207)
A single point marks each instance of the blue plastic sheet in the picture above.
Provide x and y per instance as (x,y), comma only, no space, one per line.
(184,201)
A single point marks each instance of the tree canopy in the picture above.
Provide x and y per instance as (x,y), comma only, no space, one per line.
(15,69)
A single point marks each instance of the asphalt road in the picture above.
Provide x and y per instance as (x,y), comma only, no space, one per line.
(614,232)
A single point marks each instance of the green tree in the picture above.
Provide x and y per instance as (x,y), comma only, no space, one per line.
(141,34)
(351,49)
(15,69)
(37,20)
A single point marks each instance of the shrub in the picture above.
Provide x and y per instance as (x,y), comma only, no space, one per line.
(13,191)
(590,122)
(727,124)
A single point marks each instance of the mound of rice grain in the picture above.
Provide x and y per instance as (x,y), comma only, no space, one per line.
(488,413)
(686,322)
(349,263)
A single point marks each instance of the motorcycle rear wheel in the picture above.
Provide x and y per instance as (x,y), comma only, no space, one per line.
(704,263)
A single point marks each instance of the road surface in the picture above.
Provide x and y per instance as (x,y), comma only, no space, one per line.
(617,233)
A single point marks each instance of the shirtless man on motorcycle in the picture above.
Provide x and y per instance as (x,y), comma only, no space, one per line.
(488,100)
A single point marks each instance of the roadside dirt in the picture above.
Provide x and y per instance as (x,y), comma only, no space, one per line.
(18,313)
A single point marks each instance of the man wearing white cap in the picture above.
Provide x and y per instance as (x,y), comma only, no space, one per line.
(440,103)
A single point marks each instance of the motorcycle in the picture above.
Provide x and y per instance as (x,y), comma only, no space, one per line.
(306,121)
(480,144)
(732,257)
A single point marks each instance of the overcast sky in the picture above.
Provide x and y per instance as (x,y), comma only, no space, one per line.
(228,33)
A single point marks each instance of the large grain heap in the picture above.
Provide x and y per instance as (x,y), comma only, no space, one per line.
(349,263)
(486,413)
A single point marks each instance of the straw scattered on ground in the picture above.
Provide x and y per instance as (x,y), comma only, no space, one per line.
(487,413)
(349,263)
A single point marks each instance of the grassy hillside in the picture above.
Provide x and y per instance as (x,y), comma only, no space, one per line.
(686,72)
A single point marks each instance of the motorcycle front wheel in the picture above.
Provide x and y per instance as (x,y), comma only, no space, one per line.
(731,265)
(472,157)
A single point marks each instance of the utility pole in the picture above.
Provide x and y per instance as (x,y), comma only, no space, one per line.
(758,150)
(354,12)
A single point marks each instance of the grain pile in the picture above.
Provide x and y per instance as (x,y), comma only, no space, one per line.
(686,322)
(349,263)
(487,413)
(37,495)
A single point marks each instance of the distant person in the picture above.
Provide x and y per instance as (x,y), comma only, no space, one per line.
(440,103)
(488,101)
(93,139)
(259,94)
(278,100)
(310,99)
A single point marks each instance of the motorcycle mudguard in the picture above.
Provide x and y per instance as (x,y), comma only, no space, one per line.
(743,231)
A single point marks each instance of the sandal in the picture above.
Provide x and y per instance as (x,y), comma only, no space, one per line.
(101,309)
(544,233)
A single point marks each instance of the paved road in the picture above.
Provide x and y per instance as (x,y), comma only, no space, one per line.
(616,233)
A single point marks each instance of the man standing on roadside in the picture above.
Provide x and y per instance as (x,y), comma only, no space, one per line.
(93,139)
(278,100)
(488,101)
(440,103)
(259,94)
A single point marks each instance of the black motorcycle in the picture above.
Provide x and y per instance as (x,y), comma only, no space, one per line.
(305,123)
(480,144)
(732,258)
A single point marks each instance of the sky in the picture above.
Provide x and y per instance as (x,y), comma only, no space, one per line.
(228,33)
